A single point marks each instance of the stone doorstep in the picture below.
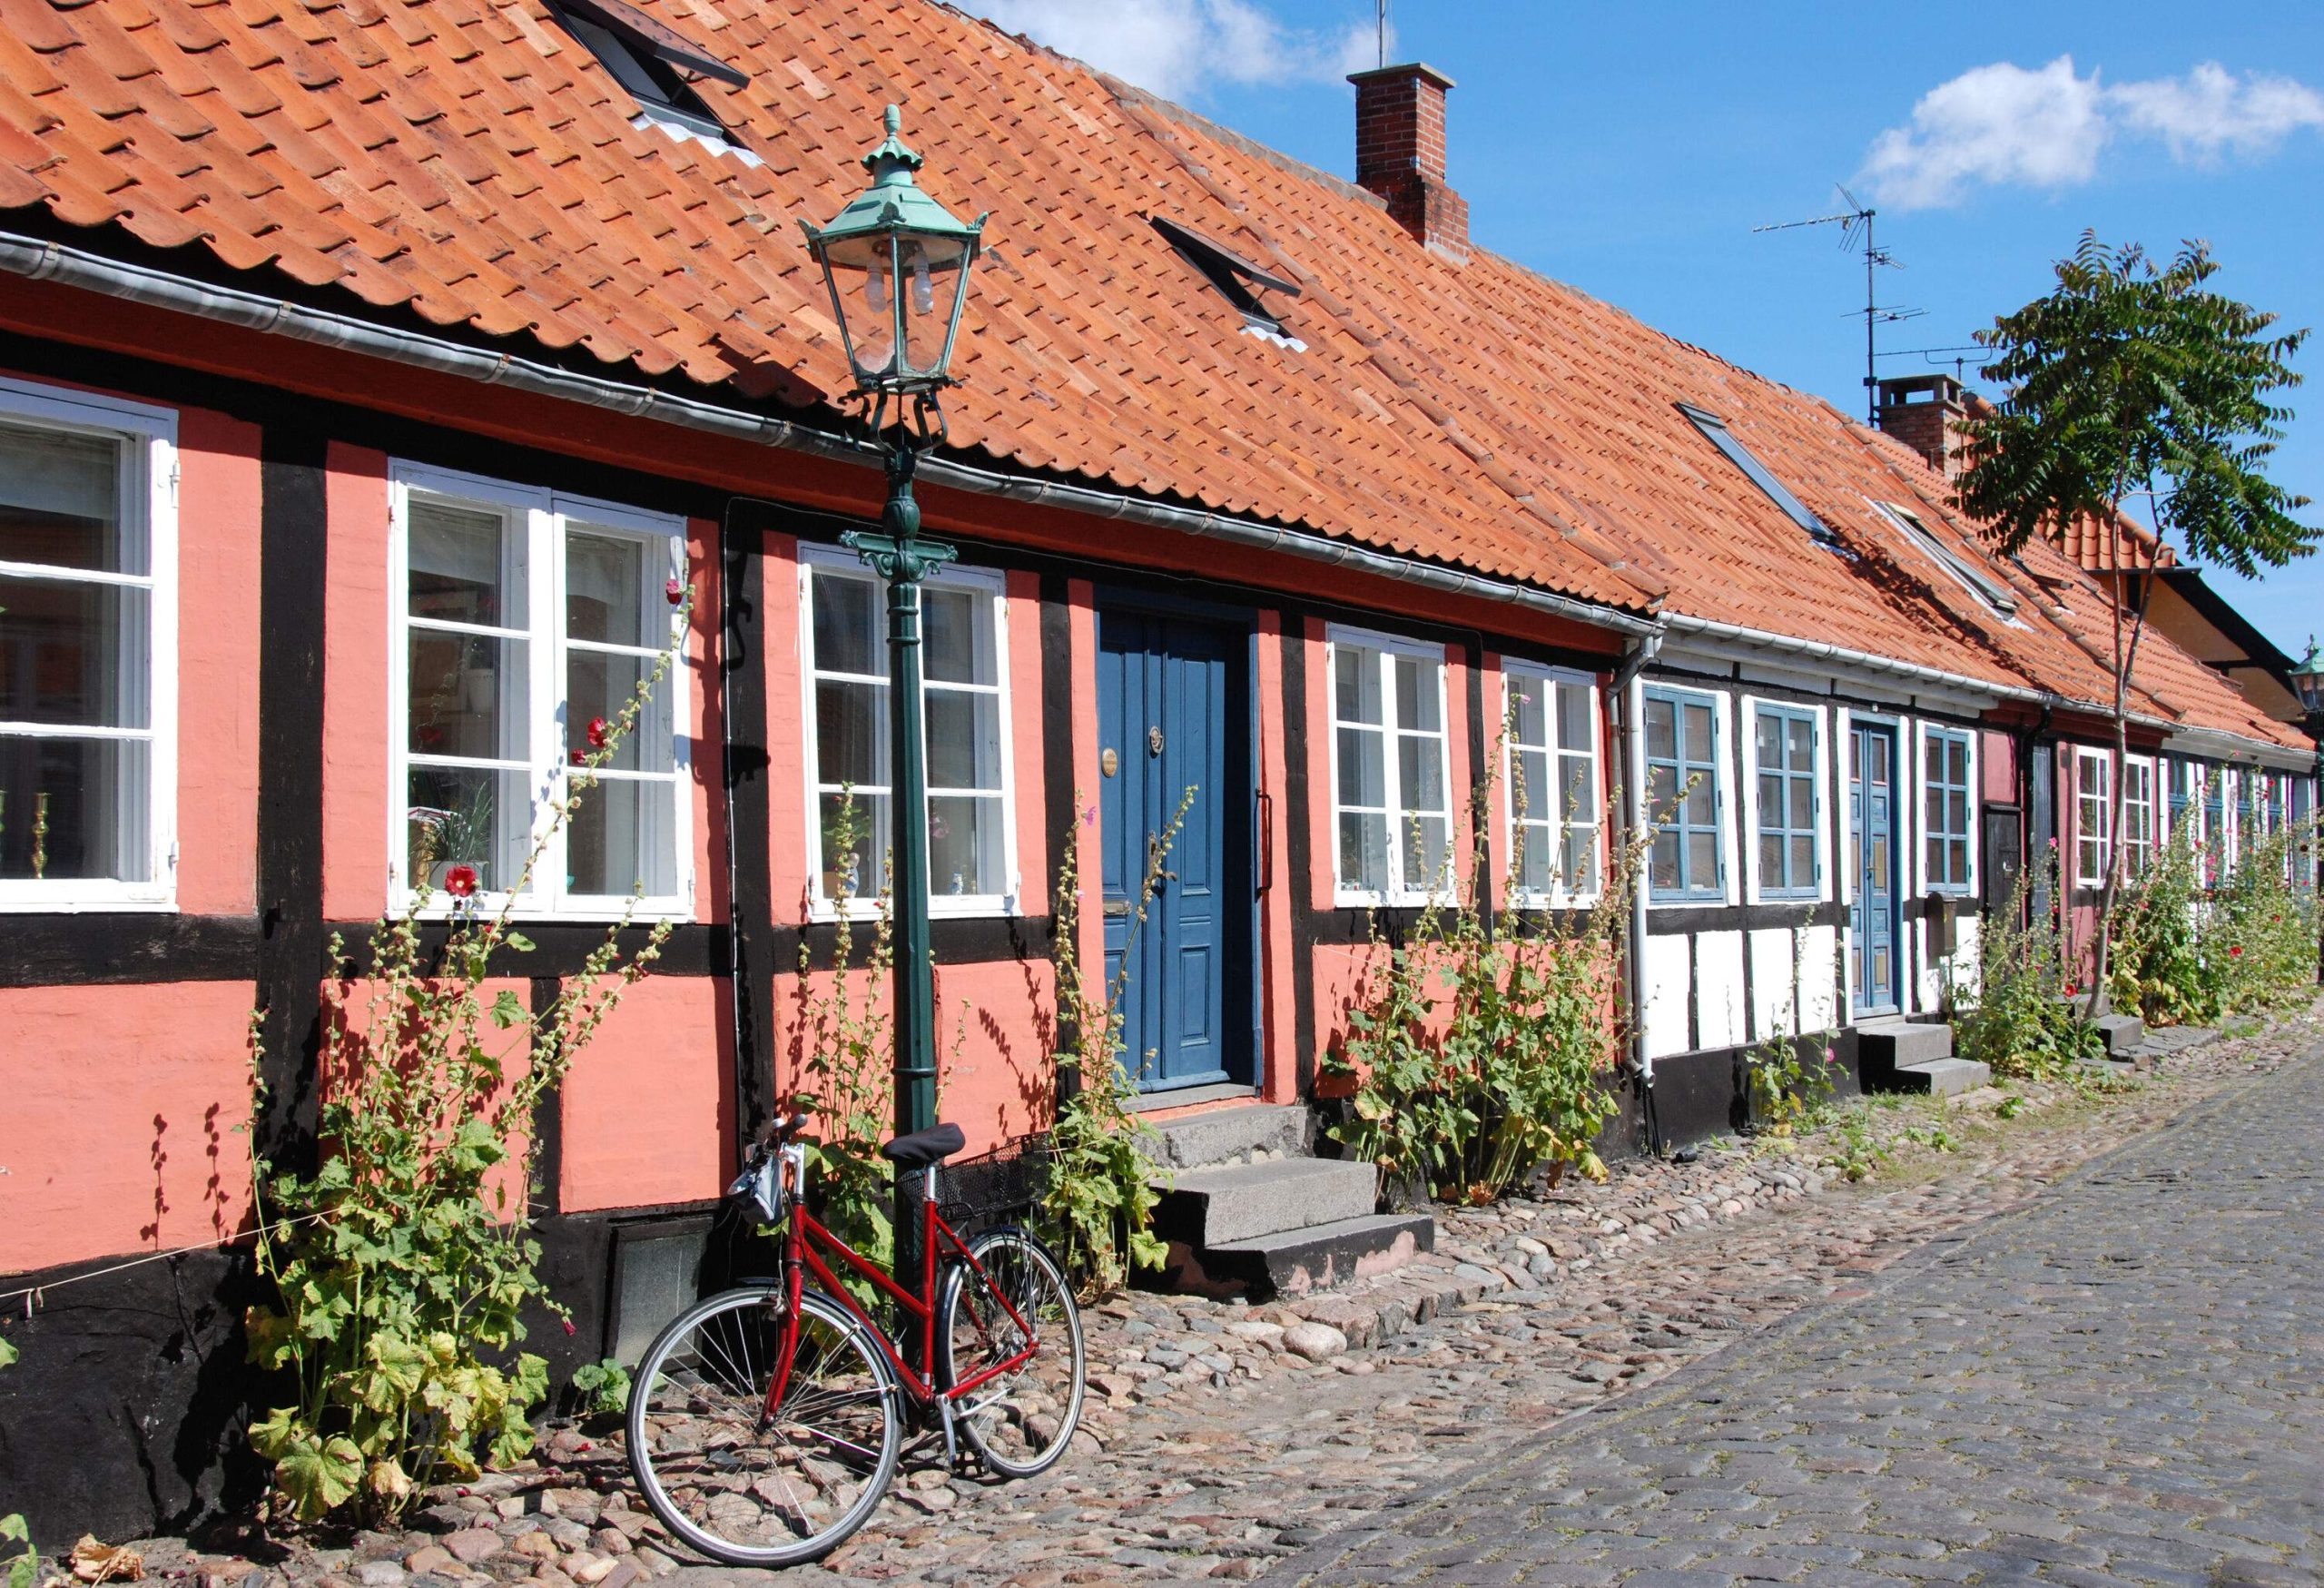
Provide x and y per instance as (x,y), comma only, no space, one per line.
(1295,1262)
(1242,1201)
(2124,1033)
(1943,1077)
(1232,1134)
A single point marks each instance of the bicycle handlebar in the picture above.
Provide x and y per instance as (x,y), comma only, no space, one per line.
(783,1127)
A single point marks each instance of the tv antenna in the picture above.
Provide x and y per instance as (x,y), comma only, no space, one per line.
(1855,236)
(1380,25)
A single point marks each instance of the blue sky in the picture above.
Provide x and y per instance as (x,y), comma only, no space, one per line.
(1630,150)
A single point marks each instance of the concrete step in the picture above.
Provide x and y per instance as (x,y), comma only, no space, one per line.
(1241,1201)
(1885,1051)
(2124,1033)
(1944,1078)
(1294,1262)
(1242,1134)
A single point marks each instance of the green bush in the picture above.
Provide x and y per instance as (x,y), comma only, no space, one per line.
(2018,1018)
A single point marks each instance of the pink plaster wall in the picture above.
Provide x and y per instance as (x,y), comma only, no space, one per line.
(1997,754)
(645,1109)
(1322,842)
(123,1108)
(786,743)
(1035,882)
(355,684)
(217,663)
(1278,995)
(714,889)
(1089,860)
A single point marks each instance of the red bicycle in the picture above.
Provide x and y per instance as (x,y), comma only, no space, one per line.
(766,1422)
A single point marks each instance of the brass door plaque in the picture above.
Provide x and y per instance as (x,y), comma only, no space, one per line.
(1109,762)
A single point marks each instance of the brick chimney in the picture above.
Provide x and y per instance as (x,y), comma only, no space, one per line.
(1400,154)
(1925,412)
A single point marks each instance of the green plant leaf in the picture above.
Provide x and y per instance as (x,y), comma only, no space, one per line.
(319,1475)
(506,1010)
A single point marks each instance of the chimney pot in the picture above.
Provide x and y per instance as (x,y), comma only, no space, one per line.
(1400,154)
(1925,412)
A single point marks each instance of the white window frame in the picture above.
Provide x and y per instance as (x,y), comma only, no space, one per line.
(544,515)
(2138,857)
(1559,896)
(2084,760)
(1389,646)
(1754,884)
(149,487)
(1924,732)
(1908,523)
(993,583)
(1722,723)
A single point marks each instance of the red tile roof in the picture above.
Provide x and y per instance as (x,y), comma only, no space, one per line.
(469,163)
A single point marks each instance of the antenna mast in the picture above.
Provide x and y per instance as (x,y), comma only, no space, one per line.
(1380,22)
(1854,222)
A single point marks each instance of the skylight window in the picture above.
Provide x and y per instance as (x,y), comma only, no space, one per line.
(1715,429)
(1237,278)
(1993,594)
(656,64)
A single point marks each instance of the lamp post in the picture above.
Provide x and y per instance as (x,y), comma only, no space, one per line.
(2308,682)
(897,265)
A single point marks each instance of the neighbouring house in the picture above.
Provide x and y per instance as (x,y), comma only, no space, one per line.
(371,371)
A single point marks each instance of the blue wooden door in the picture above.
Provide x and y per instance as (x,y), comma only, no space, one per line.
(1167,724)
(1872,825)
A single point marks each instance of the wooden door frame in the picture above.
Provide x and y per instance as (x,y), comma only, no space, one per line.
(1894,727)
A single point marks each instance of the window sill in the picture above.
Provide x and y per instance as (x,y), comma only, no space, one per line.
(1521,900)
(62,903)
(949,907)
(1342,899)
(1686,901)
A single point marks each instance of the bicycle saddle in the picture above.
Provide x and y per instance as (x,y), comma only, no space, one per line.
(922,1148)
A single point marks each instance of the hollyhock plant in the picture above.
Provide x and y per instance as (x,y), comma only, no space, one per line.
(459,881)
(599,732)
(675,590)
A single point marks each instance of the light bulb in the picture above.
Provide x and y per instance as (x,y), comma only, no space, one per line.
(875,289)
(923,291)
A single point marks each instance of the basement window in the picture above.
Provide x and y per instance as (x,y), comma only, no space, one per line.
(657,65)
(1237,278)
(1996,598)
(1715,431)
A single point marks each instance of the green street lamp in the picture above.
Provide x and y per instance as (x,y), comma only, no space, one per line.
(897,263)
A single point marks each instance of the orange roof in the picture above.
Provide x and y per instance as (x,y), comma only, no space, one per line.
(468,163)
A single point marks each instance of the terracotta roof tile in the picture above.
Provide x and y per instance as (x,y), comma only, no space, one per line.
(468,159)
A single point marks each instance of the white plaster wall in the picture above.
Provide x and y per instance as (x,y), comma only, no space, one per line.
(1718,988)
(1819,977)
(1666,965)
(1965,965)
(1772,1001)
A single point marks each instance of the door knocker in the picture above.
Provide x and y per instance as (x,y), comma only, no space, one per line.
(1109,762)
(1154,741)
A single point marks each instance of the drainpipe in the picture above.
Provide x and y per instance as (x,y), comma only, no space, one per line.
(1630,816)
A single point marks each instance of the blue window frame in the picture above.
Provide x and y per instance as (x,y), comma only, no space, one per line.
(1946,806)
(1683,793)
(1715,432)
(1790,858)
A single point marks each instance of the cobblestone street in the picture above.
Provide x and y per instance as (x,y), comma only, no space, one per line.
(2121,1383)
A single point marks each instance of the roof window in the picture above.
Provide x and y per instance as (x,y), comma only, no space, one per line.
(1715,429)
(1990,591)
(1238,280)
(656,64)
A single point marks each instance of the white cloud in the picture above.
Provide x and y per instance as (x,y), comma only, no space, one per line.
(1179,47)
(2047,128)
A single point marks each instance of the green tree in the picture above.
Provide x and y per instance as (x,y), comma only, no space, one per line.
(2133,381)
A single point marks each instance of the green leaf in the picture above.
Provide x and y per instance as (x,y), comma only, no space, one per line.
(518,941)
(505,1010)
(319,1477)
(7,1352)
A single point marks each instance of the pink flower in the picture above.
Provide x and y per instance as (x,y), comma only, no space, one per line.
(2053,843)
(460,882)
(1830,1057)
(675,590)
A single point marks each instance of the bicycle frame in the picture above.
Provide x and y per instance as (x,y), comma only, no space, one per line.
(804,1233)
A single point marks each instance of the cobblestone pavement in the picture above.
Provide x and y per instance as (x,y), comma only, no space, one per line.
(2121,1383)
(1213,1448)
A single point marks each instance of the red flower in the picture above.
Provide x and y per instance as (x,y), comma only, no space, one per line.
(2071,989)
(675,590)
(599,732)
(460,882)
(2235,951)
(576,757)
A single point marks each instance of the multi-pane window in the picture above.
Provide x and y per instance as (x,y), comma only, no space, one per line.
(530,623)
(1946,807)
(1715,432)
(1554,791)
(1784,749)
(86,612)
(2094,815)
(2215,834)
(963,726)
(2138,814)
(1683,792)
(1391,795)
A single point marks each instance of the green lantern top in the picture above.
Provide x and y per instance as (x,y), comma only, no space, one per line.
(884,258)
(2308,678)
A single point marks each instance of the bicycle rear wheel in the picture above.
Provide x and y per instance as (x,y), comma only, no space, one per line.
(745,1485)
(1020,1420)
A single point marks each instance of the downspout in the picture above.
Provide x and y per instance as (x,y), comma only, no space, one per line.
(1630,819)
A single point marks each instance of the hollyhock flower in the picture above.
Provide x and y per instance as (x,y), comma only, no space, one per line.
(576,757)
(599,732)
(2235,951)
(2071,989)
(675,590)
(460,882)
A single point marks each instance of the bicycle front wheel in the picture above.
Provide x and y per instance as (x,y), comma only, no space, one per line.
(1022,1418)
(747,1482)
